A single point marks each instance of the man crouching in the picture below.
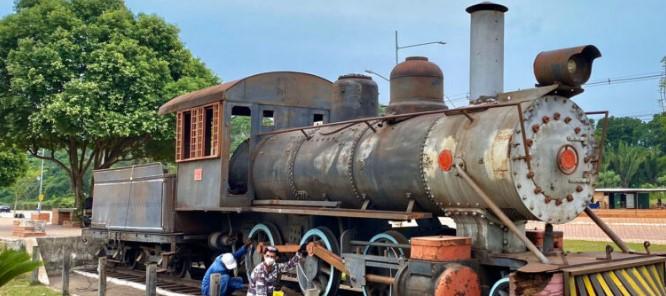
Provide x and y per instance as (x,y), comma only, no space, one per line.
(224,265)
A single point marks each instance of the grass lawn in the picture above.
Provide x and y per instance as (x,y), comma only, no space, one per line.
(592,246)
(20,286)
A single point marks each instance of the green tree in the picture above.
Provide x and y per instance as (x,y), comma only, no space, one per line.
(656,132)
(631,131)
(12,164)
(608,179)
(653,166)
(626,161)
(86,77)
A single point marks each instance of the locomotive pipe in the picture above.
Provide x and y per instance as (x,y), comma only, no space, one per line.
(378,244)
(607,230)
(380,279)
(503,218)
(486,60)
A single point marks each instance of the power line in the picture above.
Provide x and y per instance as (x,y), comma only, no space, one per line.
(610,81)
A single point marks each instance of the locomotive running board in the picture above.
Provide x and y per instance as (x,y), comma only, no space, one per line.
(310,211)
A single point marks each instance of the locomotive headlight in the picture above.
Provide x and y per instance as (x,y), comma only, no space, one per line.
(570,67)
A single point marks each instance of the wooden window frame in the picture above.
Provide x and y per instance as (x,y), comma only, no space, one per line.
(197,133)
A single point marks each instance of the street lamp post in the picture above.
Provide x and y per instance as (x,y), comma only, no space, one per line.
(40,197)
(376,74)
(398,47)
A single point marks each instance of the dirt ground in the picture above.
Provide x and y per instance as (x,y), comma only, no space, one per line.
(85,286)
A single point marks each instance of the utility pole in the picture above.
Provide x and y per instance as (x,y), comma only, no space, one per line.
(40,197)
(662,90)
(396,47)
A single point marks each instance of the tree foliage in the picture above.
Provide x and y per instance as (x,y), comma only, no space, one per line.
(56,186)
(14,263)
(86,77)
(12,164)
(635,153)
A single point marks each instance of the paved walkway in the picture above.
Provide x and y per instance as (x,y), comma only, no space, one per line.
(6,228)
(635,230)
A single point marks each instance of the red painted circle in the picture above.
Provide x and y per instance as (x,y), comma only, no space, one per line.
(567,159)
(458,280)
(445,160)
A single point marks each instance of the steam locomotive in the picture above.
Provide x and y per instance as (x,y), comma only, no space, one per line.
(321,168)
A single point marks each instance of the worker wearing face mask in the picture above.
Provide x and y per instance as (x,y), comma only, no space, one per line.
(266,276)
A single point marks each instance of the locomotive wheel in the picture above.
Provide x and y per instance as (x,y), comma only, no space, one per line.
(315,273)
(265,233)
(500,288)
(390,236)
(181,266)
(129,258)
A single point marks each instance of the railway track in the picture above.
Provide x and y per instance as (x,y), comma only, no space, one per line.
(172,285)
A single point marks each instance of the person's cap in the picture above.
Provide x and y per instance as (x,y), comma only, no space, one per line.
(271,249)
(229,261)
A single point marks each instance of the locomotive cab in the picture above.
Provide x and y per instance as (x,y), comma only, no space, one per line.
(218,128)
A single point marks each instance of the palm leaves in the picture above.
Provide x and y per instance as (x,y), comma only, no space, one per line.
(625,160)
(14,263)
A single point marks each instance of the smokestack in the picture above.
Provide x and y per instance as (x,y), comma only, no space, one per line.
(486,59)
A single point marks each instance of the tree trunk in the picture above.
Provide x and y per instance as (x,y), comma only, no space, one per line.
(76,180)
(77,170)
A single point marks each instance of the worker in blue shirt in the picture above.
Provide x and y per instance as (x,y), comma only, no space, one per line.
(224,265)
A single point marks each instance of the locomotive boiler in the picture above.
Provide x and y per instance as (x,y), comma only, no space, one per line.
(321,168)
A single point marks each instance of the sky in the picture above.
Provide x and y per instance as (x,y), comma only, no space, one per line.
(238,38)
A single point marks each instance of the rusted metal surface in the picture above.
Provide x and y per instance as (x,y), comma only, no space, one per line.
(398,117)
(505,220)
(569,66)
(381,166)
(137,198)
(279,88)
(551,195)
(301,203)
(355,96)
(458,280)
(486,63)
(602,143)
(416,85)
(379,279)
(441,248)
(329,212)
(602,265)
(315,249)
(635,276)
(606,229)
(525,94)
